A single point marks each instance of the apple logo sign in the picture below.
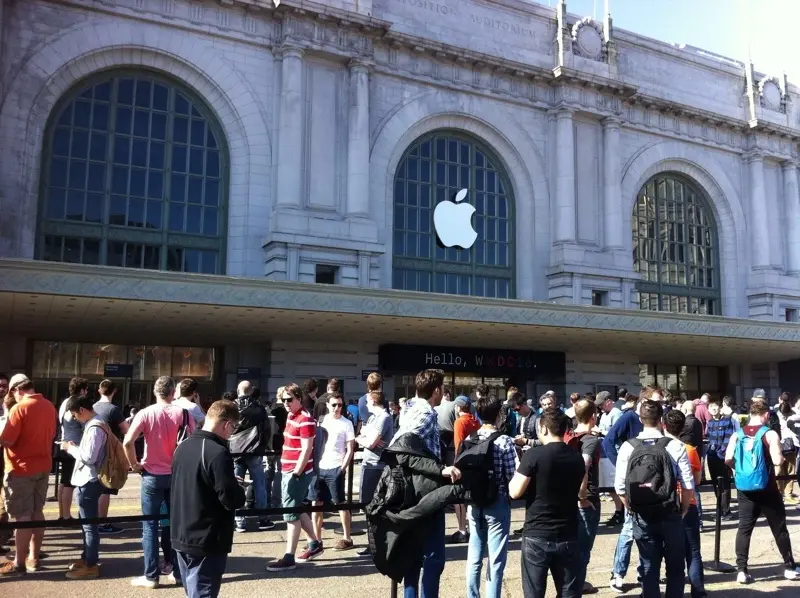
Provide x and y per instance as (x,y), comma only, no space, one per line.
(452,221)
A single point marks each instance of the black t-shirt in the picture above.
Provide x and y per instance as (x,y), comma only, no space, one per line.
(111,415)
(590,446)
(551,500)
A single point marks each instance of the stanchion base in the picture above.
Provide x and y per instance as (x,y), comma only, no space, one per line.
(719,567)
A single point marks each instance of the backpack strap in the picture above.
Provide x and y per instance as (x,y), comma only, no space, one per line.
(635,442)
(761,432)
(493,436)
(663,442)
(740,434)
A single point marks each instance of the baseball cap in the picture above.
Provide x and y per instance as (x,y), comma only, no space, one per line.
(601,398)
(18,380)
(759,393)
(462,401)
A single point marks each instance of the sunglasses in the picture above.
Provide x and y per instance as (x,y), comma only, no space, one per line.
(287,400)
(336,405)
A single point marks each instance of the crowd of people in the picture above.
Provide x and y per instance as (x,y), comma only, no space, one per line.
(647,453)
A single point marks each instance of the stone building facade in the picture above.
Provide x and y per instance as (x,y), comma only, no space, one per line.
(309,143)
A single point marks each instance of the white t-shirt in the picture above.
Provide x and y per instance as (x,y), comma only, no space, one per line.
(340,432)
(193,408)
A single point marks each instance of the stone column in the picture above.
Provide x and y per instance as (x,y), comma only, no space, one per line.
(565,178)
(792,204)
(612,194)
(358,141)
(759,224)
(290,129)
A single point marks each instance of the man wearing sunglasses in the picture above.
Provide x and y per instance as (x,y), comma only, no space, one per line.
(336,454)
(297,466)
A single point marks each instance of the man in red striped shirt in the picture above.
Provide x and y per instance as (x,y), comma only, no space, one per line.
(297,465)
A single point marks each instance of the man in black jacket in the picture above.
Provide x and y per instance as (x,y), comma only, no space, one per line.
(251,439)
(205,494)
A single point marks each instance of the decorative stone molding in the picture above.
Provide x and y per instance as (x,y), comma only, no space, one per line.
(771,94)
(588,39)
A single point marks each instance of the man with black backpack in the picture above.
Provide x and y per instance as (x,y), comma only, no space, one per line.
(487,460)
(649,469)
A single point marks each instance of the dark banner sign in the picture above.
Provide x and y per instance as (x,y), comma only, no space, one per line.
(118,370)
(488,362)
(252,374)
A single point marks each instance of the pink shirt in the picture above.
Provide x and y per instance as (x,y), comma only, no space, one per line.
(159,425)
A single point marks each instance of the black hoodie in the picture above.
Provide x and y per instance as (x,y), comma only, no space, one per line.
(205,495)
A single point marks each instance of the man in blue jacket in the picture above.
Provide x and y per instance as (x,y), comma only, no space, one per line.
(628,426)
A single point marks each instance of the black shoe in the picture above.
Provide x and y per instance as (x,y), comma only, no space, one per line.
(617,519)
(364,552)
(458,538)
(728,516)
(109,529)
(266,525)
(519,531)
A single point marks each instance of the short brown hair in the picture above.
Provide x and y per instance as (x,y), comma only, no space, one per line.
(107,387)
(310,386)
(76,385)
(294,390)
(427,381)
(574,397)
(378,397)
(187,387)
(334,385)
(651,412)
(647,392)
(758,407)
(374,382)
(223,410)
(335,395)
(554,421)
(584,410)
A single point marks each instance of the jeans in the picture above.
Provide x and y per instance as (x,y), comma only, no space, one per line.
(272,469)
(155,490)
(431,564)
(488,533)
(588,522)
(370,475)
(560,558)
(718,469)
(768,502)
(622,554)
(660,539)
(202,575)
(88,497)
(694,560)
(255,467)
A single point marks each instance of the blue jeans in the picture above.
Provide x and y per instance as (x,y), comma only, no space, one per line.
(488,533)
(202,575)
(588,522)
(661,539)
(560,558)
(431,564)
(622,555)
(155,490)
(255,466)
(272,467)
(88,497)
(694,560)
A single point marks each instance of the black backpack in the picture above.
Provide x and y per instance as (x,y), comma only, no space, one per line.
(651,482)
(475,461)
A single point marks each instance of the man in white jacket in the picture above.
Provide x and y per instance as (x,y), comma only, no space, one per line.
(88,456)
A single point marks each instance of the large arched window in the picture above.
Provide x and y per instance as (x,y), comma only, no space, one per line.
(675,248)
(133,175)
(433,170)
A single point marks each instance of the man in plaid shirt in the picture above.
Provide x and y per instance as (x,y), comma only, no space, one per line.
(719,430)
(489,527)
(419,418)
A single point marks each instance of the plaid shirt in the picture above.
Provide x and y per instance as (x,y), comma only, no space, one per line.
(719,432)
(419,418)
(505,459)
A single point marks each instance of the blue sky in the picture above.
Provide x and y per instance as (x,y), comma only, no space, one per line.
(773,27)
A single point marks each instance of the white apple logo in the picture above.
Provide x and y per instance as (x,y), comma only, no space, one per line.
(277,3)
(452,222)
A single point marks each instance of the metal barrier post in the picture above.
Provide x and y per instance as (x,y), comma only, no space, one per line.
(54,498)
(716,565)
(393,589)
(350,471)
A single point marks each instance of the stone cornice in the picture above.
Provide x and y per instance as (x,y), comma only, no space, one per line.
(47,278)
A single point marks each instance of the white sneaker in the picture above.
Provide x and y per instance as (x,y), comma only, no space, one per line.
(744,578)
(792,574)
(617,584)
(143,582)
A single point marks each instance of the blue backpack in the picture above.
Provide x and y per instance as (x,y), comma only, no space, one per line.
(750,462)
